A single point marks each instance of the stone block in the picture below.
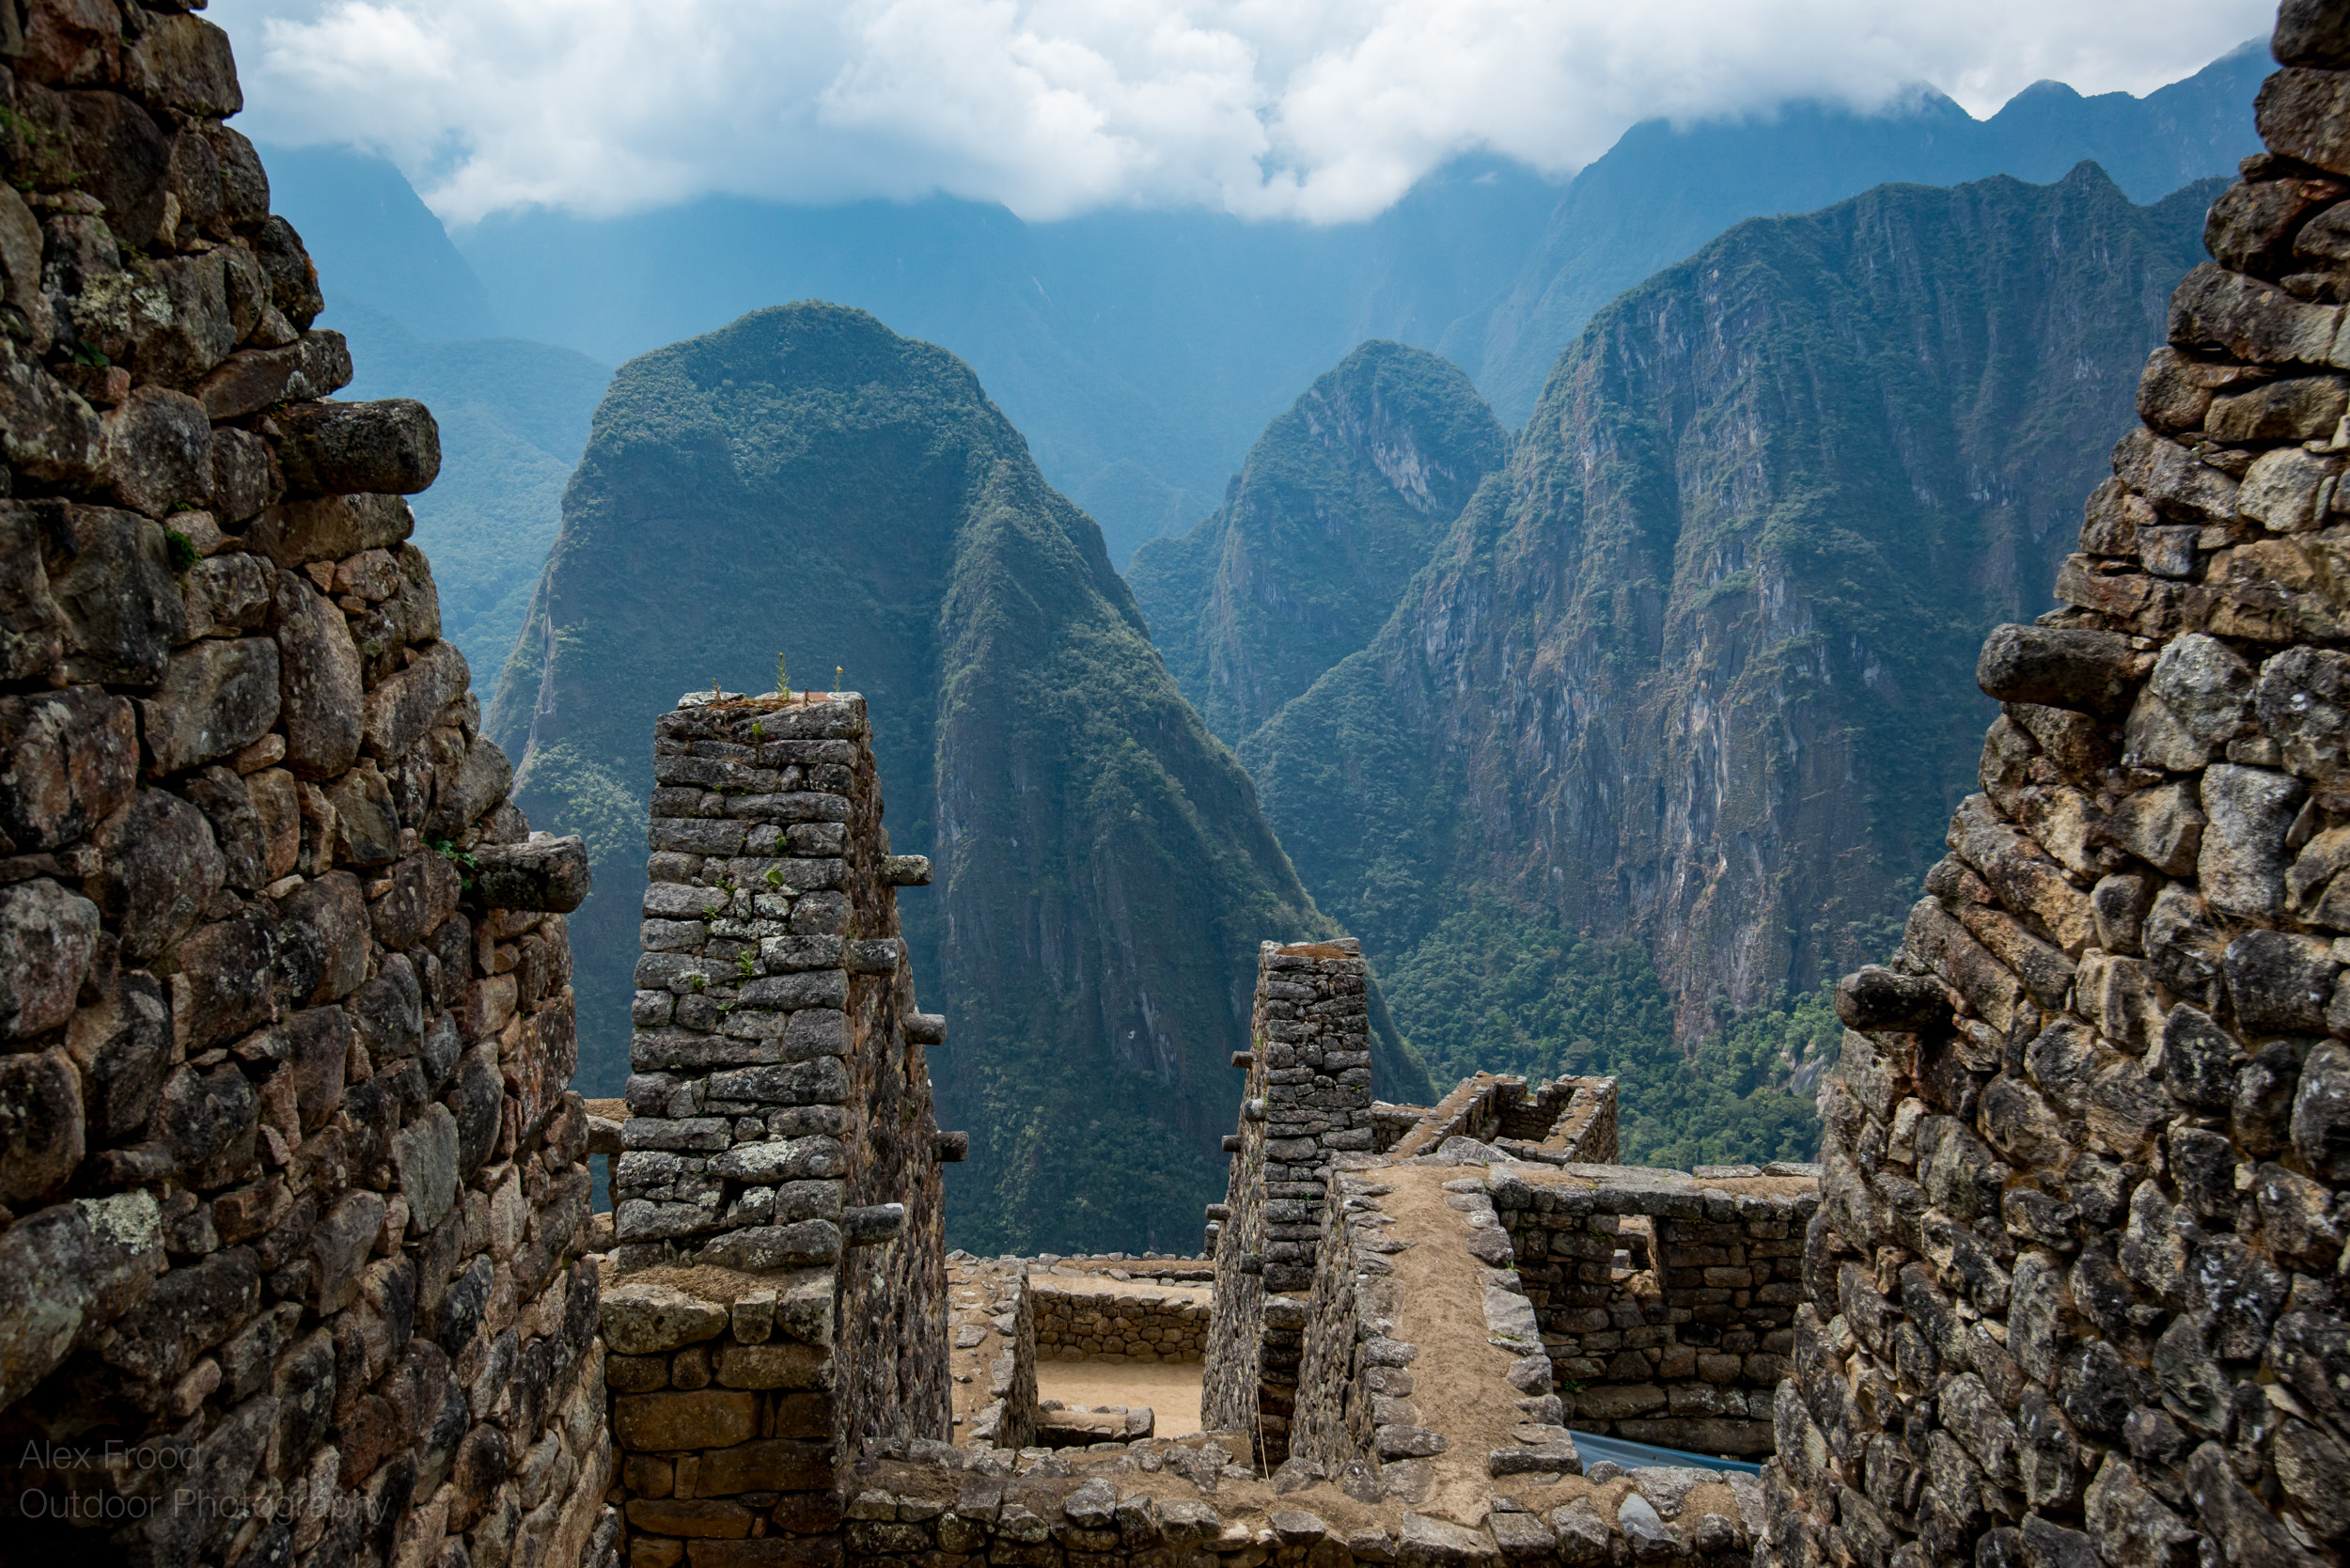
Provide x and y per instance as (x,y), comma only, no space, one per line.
(775,1365)
(669,1423)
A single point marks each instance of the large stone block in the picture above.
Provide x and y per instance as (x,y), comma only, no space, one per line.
(47,938)
(72,762)
(666,1422)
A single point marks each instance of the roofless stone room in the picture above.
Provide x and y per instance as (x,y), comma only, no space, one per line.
(1580,971)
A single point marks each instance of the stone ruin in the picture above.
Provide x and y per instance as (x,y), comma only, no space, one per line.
(296,1259)
(2074,1291)
(291,1180)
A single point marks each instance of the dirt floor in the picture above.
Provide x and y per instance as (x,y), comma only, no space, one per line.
(1170,1388)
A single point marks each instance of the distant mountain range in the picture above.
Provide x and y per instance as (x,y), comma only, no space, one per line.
(1141,352)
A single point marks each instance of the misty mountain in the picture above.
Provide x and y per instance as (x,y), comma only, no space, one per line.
(806,484)
(1694,671)
(1340,503)
(1141,352)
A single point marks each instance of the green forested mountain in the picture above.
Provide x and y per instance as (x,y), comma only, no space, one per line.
(1339,502)
(806,482)
(1686,691)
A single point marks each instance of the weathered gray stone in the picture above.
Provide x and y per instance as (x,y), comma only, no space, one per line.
(2092,671)
(2303,700)
(40,1124)
(2321,1112)
(216,697)
(162,868)
(2243,859)
(425,1155)
(2198,696)
(73,760)
(319,680)
(2280,982)
(110,575)
(390,445)
(398,711)
(47,938)
(208,1121)
(544,873)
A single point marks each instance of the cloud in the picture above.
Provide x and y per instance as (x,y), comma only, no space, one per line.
(1312,109)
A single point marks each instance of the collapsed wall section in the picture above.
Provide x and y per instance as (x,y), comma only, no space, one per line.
(2075,1286)
(290,1173)
(778,1200)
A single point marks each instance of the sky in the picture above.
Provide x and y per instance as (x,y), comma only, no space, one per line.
(1310,110)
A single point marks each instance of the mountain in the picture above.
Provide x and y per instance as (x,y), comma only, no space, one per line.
(1695,668)
(1340,501)
(513,414)
(376,244)
(1664,190)
(808,484)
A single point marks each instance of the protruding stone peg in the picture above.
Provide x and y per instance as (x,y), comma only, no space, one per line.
(907,870)
(1215,1233)
(545,873)
(2095,672)
(1219,1211)
(925,1028)
(1243,1058)
(874,1222)
(1253,1109)
(1877,998)
(954,1148)
(1251,1262)
(1231,1143)
(391,447)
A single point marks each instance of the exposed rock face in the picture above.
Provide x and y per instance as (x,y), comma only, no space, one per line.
(1342,500)
(1692,668)
(289,1167)
(2075,1283)
(1104,872)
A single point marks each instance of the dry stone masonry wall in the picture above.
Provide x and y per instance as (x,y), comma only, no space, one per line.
(289,1174)
(2076,1285)
(781,1277)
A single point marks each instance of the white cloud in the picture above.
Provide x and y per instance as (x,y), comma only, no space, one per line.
(1317,109)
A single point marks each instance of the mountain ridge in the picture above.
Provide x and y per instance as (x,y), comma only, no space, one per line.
(806,480)
(1695,667)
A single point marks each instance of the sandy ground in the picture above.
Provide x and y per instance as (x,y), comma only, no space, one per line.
(1170,1388)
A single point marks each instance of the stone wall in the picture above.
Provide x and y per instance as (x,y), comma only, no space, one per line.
(1683,1344)
(291,1174)
(1307,1098)
(2076,1284)
(781,1142)
(992,1356)
(1115,1325)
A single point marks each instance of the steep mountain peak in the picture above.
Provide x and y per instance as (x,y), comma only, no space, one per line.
(1693,669)
(1339,502)
(805,481)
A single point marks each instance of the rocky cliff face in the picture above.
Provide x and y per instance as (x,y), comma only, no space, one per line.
(1340,501)
(1692,668)
(290,1173)
(2075,1286)
(806,482)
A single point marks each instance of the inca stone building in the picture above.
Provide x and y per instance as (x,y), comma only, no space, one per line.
(296,1259)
